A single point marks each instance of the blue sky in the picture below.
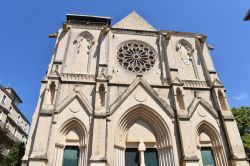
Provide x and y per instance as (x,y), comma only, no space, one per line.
(26,49)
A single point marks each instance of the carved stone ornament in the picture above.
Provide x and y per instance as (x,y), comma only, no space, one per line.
(136,57)
(185,50)
(74,110)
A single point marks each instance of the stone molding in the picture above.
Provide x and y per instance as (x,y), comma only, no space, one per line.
(77,77)
(134,32)
(75,95)
(199,101)
(195,84)
(85,26)
(140,81)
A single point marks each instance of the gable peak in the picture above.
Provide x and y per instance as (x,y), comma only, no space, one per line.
(134,21)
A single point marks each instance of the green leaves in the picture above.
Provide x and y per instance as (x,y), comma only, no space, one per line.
(242,116)
(15,155)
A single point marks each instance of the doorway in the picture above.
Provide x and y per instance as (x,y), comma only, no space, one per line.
(71,156)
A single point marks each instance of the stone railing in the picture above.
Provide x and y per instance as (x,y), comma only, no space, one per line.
(195,84)
(78,77)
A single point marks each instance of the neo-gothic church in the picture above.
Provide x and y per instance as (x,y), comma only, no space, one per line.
(131,95)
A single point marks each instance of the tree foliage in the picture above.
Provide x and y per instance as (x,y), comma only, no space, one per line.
(15,155)
(242,116)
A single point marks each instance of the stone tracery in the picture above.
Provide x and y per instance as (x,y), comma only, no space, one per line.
(136,57)
(158,129)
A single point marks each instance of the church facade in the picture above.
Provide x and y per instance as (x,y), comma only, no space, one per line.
(131,95)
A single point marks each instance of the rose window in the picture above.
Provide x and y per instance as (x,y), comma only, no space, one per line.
(136,57)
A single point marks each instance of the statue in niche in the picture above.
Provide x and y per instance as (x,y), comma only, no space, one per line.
(187,66)
(102,94)
(83,45)
(185,50)
(51,93)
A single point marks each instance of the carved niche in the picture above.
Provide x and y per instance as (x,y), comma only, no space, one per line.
(185,51)
(83,44)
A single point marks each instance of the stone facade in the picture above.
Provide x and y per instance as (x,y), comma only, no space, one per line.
(111,89)
(14,126)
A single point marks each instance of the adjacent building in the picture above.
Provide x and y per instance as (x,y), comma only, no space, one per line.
(14,126)
(131,95)
(247,17)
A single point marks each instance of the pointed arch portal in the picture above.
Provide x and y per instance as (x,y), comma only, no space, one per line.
(212,151)
(142,133)
(71,146)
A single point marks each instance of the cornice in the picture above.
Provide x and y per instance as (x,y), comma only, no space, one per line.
(85,26)
(134,32)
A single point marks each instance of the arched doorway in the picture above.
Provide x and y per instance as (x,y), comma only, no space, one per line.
(71,149)
(71,156)
(211,148)
(142,139)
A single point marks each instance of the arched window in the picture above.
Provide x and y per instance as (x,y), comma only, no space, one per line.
(222,100)
(180,99)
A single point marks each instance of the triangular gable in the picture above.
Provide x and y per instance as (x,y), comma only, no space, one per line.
(134,21)
(199,101)
(79,97)
(148,89)
(177,81)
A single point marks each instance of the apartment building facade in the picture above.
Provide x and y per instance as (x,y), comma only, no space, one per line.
(14,126)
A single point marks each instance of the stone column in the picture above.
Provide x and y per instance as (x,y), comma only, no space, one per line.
(58,155)
(230,130)
(141,149)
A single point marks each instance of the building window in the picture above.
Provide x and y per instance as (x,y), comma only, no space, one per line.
(4,99)
(15,132)
(18,119)
(7,125)
(71,156)
(1,113)
(22,138)
(10,110)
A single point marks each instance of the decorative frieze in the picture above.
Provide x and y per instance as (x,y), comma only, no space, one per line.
(78,77)
(85,26)
(195,84)
(134,32)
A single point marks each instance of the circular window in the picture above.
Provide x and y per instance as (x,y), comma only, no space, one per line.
(136,57)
